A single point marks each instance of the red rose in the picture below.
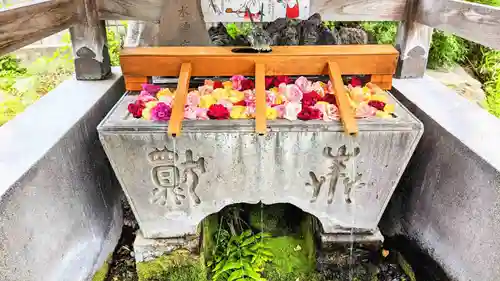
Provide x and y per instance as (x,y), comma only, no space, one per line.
(355,81)
(309,113)
(241,103)
(218,112)
(269,82)
(329,98)
(218,84)
(377,104)
(310,99)
(282,79)
(136,108)
(247,84)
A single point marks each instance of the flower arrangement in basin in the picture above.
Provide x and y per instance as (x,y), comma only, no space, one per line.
(285,99)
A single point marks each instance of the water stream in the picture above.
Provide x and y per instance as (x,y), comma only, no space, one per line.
(352,169)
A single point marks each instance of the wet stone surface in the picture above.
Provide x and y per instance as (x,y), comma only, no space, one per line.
(364,264)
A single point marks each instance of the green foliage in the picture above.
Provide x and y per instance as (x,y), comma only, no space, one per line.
(446,50)
(329,24)
(489,70)
(178,266)
(114,46)
(234,31)
(241,257)
(20,86)
(406,267)
(487,2)
(9,66)
(384,32)
(102,272)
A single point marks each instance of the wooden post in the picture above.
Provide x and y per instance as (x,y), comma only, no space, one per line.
(182,24)
(346,114)
(90,44)
(413,41)
(175,123)
(260,99)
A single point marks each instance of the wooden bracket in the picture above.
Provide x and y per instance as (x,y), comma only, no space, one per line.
(260,99)
(175,123)
(346,114)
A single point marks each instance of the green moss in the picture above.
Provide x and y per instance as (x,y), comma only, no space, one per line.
(307,230)
(406,267)
(210,226)
(291,259)
(176,266)
(102,273)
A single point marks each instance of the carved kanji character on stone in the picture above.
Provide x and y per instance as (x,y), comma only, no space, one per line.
(337,170)
(171,177)
(183,11)
(350,184)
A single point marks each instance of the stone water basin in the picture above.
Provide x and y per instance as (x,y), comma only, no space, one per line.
(172,184)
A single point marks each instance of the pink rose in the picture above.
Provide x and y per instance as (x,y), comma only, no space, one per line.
(293,93)
(329,111)
(201,113)
(280,109)
(291,110)
(318,88)
(331,90)
(145,96)
(150,88)
(249,97)
(193,99)
(282,89)
(304,85)
(250,110)
(270,98)
(237,82)
(205,90)
(364,111)
(190,113)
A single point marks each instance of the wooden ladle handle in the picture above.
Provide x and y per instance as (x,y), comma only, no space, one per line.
(346,113)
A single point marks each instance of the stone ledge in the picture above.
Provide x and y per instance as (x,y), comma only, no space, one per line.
(473,126)
(28,137)
(60,211)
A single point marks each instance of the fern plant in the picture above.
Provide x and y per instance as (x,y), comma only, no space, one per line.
(242,258)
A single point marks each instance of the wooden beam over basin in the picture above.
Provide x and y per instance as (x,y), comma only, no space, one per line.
(378,60)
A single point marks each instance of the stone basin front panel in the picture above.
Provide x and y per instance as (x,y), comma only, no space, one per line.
(172,184)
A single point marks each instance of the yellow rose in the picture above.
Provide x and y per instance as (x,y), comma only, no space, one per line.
(271,113)
(382,114)
(220,94)
(238,112)
(389,108)
(146,112)
(274,90)
(280,99)
(236,96)
(379,97)
(165,92)
(206,101)
(227,84)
